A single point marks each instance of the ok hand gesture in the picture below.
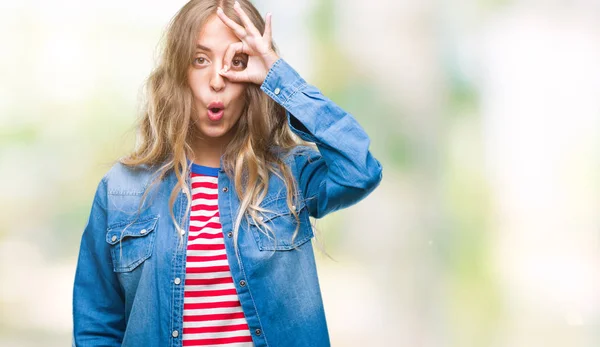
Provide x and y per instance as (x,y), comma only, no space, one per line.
(258,48)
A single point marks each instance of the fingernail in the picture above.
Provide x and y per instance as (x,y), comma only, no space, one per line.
(224,69)
(236,4)
(220,10)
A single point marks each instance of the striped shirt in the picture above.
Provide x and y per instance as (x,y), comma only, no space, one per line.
(212,314)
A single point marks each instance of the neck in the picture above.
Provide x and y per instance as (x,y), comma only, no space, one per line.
(207,152)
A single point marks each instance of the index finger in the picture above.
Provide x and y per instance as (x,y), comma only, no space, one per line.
(239,31)
(244,17)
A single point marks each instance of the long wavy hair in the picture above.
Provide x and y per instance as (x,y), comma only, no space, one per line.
(166,124)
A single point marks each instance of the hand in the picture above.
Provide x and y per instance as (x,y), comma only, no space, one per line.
(258,48)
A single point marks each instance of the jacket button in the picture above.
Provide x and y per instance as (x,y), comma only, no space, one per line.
(225,189)
(229,234)
(257,331)
(175,333)
(114,238)
(177,280)
(242,283)
(277,91)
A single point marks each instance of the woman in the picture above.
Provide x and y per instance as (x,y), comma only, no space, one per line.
(200,236)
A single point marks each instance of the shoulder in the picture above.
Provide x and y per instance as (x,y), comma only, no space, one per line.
(303,155)
(299,152)
(298,156)
(122,179)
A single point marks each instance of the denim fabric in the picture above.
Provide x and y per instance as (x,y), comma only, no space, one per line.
(128,288)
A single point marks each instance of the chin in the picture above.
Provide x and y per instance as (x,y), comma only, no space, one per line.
(206,128)
(213,131)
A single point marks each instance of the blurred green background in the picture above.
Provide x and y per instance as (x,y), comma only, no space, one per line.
(485,115)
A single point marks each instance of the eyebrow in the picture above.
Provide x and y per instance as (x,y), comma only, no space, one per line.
(204,48)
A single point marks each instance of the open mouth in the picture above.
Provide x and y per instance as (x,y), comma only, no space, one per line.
(215,111)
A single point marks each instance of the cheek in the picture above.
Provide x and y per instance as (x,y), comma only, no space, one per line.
(238,95)
(196,83)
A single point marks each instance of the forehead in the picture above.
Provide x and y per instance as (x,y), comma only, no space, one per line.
(216,35)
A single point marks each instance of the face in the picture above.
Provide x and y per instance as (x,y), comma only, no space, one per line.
(219,102)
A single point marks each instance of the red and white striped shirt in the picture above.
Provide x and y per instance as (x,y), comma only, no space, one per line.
(212,314)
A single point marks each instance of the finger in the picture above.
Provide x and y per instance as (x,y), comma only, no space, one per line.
(235,76)
(268,31)
(236,47)
(239,31)
(244,17)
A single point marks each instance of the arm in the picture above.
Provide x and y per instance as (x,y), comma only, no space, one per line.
(343,171)
(98,302)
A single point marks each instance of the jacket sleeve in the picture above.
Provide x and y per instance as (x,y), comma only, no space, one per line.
(98,301)
(343,171)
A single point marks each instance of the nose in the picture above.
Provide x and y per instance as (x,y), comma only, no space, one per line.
(217,82)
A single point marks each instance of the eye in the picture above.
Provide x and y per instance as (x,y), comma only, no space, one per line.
(200,61)
(240,61)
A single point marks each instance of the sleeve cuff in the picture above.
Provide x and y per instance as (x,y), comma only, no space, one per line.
(282,82)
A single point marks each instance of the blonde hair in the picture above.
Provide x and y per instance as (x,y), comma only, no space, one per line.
(261,133)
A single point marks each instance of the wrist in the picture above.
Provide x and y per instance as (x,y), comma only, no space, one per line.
(270,59)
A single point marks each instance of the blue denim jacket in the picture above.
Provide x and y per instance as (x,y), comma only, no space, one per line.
(128,288)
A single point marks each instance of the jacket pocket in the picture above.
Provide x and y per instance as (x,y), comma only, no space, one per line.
(282,224)
(131,242)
